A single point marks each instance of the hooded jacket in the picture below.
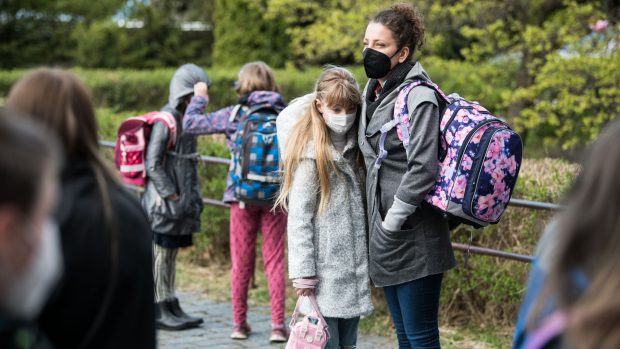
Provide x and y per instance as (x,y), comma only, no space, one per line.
(171,171)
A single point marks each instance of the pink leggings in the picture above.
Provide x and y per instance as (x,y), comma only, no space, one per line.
(244,226)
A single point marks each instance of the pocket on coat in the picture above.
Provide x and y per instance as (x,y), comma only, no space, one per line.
(174,209)
(392,254)
(408,234)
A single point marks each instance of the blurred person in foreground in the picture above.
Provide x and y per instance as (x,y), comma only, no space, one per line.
(105,298)
(30,258)
(572,297)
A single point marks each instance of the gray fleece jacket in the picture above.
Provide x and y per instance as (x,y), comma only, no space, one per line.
(331,245)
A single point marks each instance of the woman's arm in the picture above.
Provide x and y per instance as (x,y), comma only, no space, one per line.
(301,214)
(196,121)
(422,159)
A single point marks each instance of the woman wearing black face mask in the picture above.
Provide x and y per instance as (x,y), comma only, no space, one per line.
(409,243)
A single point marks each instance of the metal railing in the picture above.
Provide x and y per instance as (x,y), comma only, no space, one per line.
(534,205)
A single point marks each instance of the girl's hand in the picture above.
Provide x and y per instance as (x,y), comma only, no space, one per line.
(304,291)
(201,89)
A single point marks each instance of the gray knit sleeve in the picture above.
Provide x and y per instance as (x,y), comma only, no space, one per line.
(300,228)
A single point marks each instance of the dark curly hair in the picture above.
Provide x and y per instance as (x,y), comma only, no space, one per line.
(406,25)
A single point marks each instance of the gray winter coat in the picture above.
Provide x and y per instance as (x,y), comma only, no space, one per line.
(175,170)
(421,247)
(331,245)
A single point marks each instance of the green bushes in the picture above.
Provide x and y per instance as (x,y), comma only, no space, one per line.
(488,290)
(126,89)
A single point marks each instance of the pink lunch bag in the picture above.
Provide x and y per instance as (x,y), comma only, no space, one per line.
(309,333)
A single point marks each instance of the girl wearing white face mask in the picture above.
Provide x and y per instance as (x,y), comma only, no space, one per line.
(323,191)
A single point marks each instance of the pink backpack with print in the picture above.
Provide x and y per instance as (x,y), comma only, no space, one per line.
(479,158)
(131,143)
(309,333)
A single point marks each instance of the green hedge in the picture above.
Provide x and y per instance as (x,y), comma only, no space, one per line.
(122,89)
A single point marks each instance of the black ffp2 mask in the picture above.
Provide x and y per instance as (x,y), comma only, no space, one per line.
(377,64)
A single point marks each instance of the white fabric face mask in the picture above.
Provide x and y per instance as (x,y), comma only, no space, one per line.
(28,292)
(340,124)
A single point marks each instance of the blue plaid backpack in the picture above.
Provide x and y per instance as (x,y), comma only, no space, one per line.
(254,167)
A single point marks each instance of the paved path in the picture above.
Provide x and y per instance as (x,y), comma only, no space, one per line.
(218,321)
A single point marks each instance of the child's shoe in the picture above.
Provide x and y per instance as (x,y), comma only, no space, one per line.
(241,331)
(279,334)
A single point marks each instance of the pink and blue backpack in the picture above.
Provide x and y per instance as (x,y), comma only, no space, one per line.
(479,158)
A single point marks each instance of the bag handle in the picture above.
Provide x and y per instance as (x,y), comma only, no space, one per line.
(307,283)
(322,328)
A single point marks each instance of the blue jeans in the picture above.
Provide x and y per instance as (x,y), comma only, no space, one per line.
(414,306)
(342,333)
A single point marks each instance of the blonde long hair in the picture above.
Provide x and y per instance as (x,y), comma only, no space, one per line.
(335,87)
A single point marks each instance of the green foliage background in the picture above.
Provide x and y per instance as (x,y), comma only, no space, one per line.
(563,76)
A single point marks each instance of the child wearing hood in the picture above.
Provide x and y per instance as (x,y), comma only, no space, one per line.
(256,86)
(172,198)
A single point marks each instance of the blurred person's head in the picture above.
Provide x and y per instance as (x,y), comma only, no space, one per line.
(62,103)
(30,259)
(589,232)
(256,76)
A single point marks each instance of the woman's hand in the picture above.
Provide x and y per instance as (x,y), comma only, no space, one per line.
(201,89)
(304,291)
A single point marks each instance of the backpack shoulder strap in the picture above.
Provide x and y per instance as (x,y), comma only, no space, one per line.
(401,117)
(234,112)
(168,120)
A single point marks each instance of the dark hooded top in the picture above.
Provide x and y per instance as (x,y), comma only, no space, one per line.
(171,171)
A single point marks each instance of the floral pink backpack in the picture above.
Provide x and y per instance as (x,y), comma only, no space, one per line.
(309,333)
(479,158)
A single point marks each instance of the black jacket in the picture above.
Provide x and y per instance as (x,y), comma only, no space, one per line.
(174,171)
(17,334)
(107,294)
